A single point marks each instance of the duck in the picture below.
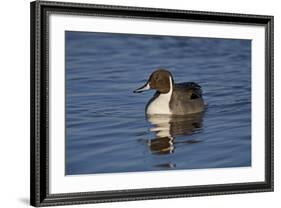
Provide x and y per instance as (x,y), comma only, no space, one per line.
(172,98)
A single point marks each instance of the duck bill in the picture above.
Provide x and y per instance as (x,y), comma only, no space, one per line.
(143,88)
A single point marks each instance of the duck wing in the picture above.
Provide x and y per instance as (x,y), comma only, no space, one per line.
(190,90)
(186,99)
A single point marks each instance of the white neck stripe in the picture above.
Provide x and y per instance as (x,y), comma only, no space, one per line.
(161,104)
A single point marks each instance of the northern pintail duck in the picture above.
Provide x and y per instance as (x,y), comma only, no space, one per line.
(170,98)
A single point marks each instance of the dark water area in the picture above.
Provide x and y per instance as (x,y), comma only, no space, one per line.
(106,127)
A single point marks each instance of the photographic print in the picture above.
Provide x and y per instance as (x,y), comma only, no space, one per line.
(194,111)
(124,99)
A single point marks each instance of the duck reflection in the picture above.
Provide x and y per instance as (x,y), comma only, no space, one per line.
(166,128)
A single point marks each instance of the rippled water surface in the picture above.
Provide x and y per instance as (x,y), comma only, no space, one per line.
(106,127)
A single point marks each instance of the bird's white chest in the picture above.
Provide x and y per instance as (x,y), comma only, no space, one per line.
(160,105)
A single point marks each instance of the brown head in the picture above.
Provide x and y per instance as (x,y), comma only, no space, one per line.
(158,80)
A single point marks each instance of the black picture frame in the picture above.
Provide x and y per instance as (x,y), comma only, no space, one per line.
(39,187)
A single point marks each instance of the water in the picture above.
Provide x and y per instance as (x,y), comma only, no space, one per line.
(106,127)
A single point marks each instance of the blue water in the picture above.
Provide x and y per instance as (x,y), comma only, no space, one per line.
(106,127)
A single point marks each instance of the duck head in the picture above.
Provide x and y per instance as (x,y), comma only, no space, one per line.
(160,80)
